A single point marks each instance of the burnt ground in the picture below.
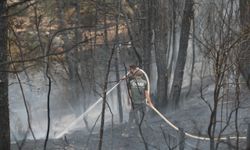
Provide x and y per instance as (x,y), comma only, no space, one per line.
(193,118)
(156,133)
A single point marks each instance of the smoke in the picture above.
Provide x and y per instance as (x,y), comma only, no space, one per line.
(62,111)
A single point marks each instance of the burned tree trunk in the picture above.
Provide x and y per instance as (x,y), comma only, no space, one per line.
(4,103)
(161,45)
(245,49)
(248,137)
(117,59)
(182,54)
(147,34)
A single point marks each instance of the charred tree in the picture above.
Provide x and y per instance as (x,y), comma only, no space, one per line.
(117,59)
(4,102)
(146,34)
(161,45)
(182,54)
(245,49)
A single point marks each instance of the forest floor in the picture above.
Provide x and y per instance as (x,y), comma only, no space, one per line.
(193,118)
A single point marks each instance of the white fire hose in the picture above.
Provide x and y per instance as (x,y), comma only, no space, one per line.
(176,128)
(150,106)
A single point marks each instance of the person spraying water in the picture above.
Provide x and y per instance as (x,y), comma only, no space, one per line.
(139,96)
(133,76)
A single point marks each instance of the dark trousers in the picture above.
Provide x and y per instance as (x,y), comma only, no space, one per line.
(137,114)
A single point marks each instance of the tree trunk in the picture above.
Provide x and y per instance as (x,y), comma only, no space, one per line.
(182,139)
(245,49)
(119,98)
(147,34)
(248,137)
(161,39)
(4,104)
(182,54)
(173,55)
(193,59)
(117,59)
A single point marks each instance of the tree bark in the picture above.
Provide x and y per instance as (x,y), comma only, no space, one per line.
(105,86)
(117,59)
(182,139)
(245,49)
(173,55)
(248,137)
(161,45)
(104,101)
(182,54)
(147,34)
(193,59)
(4,102)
